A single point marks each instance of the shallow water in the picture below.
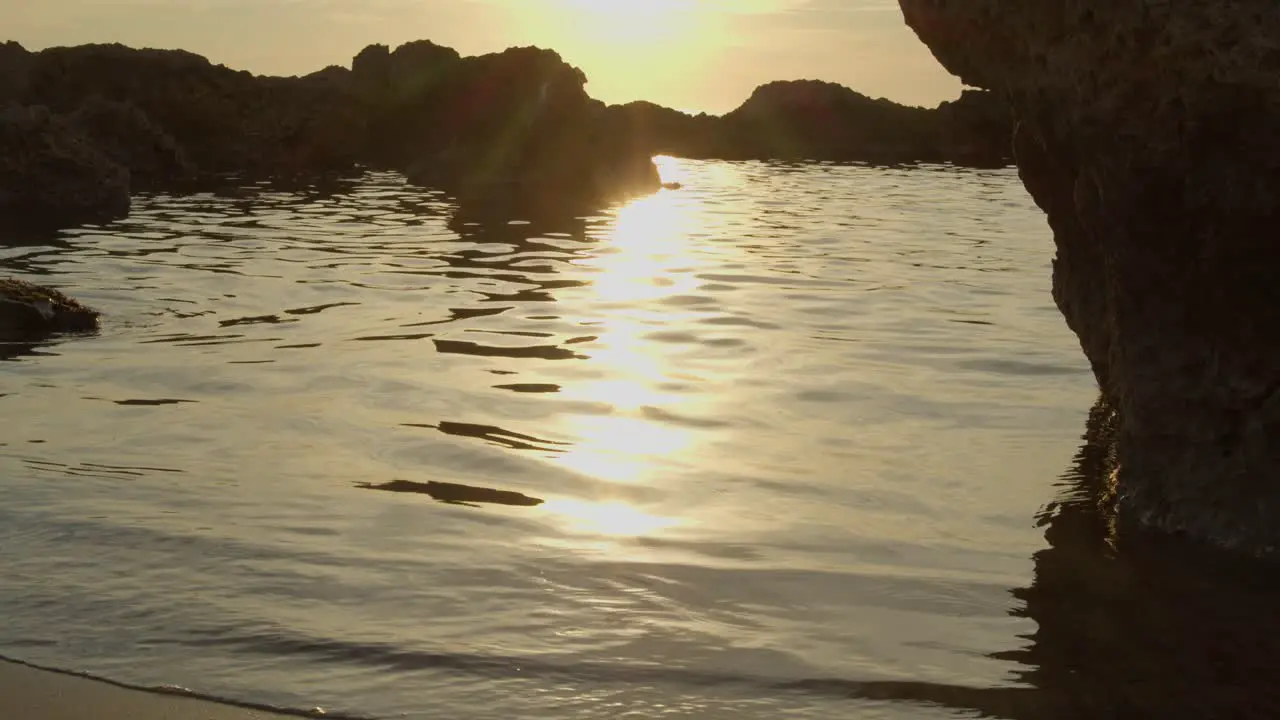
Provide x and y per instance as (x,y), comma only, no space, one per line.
(792,425)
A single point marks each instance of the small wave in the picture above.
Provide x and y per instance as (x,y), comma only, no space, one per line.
(993,701)
(187,693)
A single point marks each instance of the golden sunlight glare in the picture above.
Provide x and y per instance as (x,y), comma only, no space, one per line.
(612,518)
(636,21)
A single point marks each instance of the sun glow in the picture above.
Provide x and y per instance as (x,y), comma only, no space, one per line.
(615,519)
(646,258)
(645,22)
(629,49)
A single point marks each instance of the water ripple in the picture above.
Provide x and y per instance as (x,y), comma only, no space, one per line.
(765,445)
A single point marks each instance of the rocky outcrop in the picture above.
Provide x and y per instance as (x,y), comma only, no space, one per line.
(516,123)
(1146,133)
(976,129)
(515,127)
(127,136)
(519,125)
(806,120)
(15,64)
(660,130)
(226,121)
(29,311)
(50,172)
(812,120)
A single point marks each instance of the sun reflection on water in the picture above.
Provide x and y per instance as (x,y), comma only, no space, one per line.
(622,449)
(648,256)
(614,519)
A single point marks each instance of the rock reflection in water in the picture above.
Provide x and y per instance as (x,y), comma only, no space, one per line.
(1133,624)
(1130,625)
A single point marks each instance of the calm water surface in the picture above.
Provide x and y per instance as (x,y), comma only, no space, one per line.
(792,426)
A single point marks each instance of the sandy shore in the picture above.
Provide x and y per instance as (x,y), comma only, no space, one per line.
(27,693)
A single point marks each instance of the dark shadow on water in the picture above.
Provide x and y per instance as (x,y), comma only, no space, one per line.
(1130,624)
(19,350)
(541,352)
(1135,624)
(152,402)
(456,494)
(24,235)
(494,435)
(529,387)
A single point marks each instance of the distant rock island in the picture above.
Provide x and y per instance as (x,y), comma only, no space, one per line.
(83,127)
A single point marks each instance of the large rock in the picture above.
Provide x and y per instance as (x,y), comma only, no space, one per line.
(398,88)
(977,129)
(127,136)
(50,173)
(1146,131)
(29,311)
(812,120)
(15,64)
(660,130)
(519,126)
(226,121)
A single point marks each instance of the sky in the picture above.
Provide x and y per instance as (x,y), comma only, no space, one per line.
(695,55)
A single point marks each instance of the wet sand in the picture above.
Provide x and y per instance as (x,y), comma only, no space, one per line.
(28,693)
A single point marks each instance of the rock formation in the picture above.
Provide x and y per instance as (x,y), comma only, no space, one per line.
(807,120)
(127,136)
(513,128)
(50,172)
(225,121)
(515,125)
(976,129)
(29,311)
(1145,130)
(812,120)
(15,64)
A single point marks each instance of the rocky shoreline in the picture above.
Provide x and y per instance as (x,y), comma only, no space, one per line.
(82,127)
(1145,133)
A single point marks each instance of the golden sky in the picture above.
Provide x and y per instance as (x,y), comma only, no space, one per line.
(696,55)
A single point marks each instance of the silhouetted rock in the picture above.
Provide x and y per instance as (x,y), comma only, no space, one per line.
(812,120)
(514,128)
(659,130)
(127,136)
(225,121)
(398,89)
(1146,131)
(977,129)
(50,172)
(519,126)
(29,311)
(15,65)
(333,76)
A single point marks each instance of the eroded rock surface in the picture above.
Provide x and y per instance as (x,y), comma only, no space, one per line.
(1146,131)
(124,133)
(29,311)
(51,172)
(226,121)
